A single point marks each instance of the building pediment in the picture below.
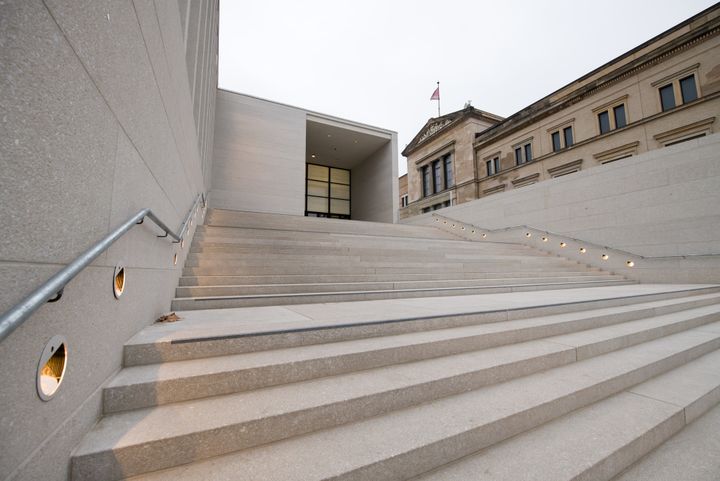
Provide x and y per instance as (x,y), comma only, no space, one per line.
(440,124)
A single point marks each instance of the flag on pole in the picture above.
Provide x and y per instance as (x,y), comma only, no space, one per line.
(436,96)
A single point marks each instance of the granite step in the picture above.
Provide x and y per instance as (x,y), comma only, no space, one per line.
(601,440)
(144,386)
(250,289)
(395,445)
(391,277)
(341,268)
(251,300)
(208,333)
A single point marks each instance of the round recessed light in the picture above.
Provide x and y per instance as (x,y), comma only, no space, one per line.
(544,239)
(562,244)
(583,250)
(605,257)
(119,281)
(484,234)
(630,264)
(527,234)
(51,368)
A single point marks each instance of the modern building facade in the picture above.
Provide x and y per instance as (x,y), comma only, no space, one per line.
(665,91)
(275,158)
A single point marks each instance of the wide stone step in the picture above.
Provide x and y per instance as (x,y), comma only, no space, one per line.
(298,247)
(599,441)
(250,289)
(144,386)
(378,268)
(203,260)
(253,300)
(693,454)
(207,333)
(219,217)
(389,277)
(397,445)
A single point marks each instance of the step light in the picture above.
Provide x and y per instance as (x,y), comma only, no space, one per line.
(174,259)
(51,368)
(119,281)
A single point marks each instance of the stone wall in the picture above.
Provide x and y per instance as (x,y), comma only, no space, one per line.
(107,108)
(660,203)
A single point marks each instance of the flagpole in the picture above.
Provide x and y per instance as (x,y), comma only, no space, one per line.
(438,86)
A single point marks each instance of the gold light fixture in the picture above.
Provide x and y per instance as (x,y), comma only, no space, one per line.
(51,368)
(119,281)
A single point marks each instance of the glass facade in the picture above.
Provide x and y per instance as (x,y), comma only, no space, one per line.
(327,192)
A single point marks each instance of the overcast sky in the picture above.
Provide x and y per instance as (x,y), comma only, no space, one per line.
(378,61)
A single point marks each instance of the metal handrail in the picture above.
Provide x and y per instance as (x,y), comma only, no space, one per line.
(52,289)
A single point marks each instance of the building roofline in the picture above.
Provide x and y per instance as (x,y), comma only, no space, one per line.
(312,112)
(546,106)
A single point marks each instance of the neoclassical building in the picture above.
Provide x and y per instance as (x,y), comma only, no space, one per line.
(662,92)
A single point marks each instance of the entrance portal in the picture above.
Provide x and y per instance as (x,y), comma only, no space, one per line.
(327,192)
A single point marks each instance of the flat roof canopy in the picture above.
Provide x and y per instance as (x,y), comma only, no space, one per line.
(338,144)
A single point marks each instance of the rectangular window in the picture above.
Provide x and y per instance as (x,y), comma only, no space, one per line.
(523,153)
(493,166)
(619,114)
(437,176)
(556,141)
(604,121)
(688,89)
(447,161)
(667,97)
(611,117)
(404,201)
(427,187)
(327,192)
(567,133)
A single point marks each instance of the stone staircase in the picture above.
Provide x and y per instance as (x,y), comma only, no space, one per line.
(547,371)
(249,259)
